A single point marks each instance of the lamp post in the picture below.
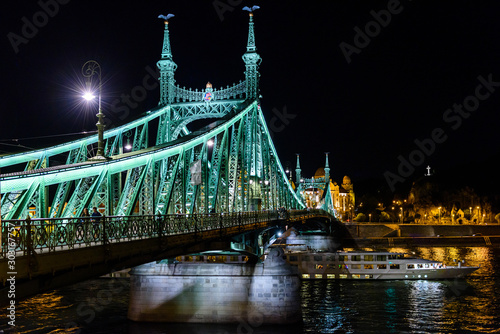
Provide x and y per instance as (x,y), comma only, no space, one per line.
(89,69)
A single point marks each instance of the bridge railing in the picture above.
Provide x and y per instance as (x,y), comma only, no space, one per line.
(39,235)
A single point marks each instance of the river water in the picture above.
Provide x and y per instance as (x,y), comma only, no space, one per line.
(470,305)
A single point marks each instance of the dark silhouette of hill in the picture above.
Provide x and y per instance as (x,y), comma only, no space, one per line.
(481,175)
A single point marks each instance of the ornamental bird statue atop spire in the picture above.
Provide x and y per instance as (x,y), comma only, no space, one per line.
(252,59)
(166,18)
(167,66)
(251,10)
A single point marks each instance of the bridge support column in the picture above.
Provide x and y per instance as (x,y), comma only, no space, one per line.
(216,293)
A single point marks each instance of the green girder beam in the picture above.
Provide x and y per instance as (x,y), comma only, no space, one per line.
(238,170)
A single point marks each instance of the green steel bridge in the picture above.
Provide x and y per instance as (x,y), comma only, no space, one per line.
(175,189)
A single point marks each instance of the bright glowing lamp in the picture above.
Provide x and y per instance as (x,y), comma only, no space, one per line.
(90,69)
(88,96)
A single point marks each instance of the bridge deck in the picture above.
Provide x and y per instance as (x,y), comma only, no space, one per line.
(51,253)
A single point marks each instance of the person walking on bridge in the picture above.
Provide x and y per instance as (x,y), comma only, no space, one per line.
(96,221)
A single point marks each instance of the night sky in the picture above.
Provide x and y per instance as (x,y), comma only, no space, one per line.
(364,97)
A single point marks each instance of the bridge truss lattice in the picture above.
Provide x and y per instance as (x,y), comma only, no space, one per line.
(230,165)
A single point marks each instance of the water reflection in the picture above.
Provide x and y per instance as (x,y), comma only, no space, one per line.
(390,309)
(425,305)
(449,306)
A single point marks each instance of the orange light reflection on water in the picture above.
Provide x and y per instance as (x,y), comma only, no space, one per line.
(43,310)
(451,301)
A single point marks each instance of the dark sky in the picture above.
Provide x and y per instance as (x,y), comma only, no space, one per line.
(397,87)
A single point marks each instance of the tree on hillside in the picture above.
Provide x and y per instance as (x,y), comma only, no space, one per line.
(385,217)
(361,217)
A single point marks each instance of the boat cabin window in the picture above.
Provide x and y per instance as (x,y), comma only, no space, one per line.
(318,258)
(330,258)
(381,257)
(396,256)
(368,266)
(381,266)
(342,257)
(355,257)
(410,266)
(305,258)
(292,258)
(342,276)
(355,266)
(319,266)
(330,266)
(368,257)
(330,275)
(394,266)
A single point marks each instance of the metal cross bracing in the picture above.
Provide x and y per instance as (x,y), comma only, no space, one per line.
(229,166)
(240,171)
(321,183)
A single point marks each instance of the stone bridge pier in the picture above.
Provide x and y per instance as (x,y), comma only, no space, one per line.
(264,293)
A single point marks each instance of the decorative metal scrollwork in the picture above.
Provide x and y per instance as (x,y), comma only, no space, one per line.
(58,234)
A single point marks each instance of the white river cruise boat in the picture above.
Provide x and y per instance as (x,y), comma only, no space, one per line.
(372,265)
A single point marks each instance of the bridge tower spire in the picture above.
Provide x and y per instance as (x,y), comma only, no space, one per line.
(166,66)
(298,171)
(327,169)
(252,60)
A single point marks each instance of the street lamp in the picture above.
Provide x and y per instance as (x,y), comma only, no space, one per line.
(89,69)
